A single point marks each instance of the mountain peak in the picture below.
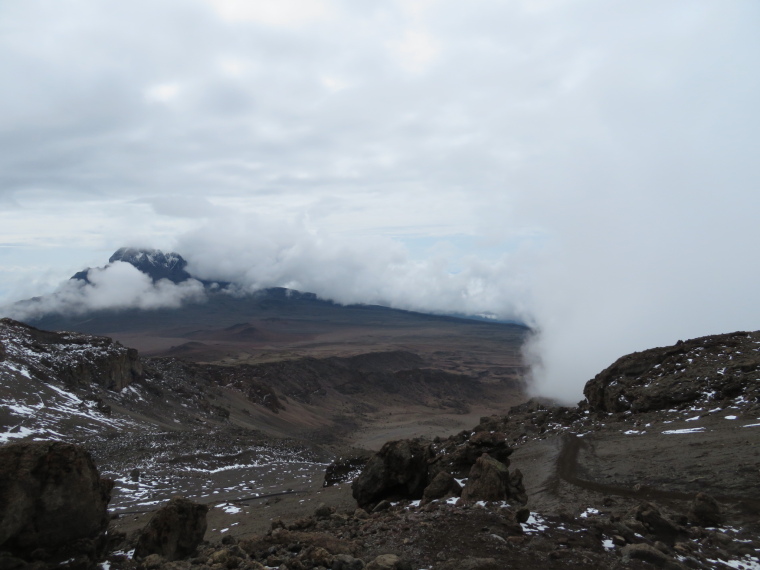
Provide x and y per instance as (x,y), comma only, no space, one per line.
(152,262)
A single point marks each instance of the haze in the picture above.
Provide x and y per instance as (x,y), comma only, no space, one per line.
(587,167)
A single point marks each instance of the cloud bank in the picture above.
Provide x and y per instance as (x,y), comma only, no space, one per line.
(116,286)
(588,167)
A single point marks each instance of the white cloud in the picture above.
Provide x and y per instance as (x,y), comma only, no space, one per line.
(589,165)
(280,13)
(117,286)
(162,93)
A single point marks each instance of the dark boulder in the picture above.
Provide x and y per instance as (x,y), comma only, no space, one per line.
(175,531)
(488,481)
(658,525)
(443,485)
(705,511)
(342,470)
(458,457)
(52,499)
(397,471)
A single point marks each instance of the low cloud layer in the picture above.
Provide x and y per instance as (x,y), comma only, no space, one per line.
(117,286)
(588,167)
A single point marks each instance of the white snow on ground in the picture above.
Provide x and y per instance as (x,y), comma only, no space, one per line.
(746,563)
(589,511)
(608,544)
(730,417)
(685,430)
(19,433)
(535,523)
(229,509)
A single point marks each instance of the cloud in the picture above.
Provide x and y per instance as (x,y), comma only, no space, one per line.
(117,286)
(587,166)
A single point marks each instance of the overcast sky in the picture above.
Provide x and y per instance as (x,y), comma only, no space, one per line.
(587,166)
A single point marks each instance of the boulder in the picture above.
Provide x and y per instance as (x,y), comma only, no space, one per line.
(488,481)
(705,511)
(661,527)
(397,471)
(51,497)
(175,530)
(459,457)
(443,485)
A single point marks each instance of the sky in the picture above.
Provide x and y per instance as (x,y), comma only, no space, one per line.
(587,167)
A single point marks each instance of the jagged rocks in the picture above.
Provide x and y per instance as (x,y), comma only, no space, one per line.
(175,531)
(490,480)
(459,453)
(74,359)
(409,469)
(52,498)
(397,471)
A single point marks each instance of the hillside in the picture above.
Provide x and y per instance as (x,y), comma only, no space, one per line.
(657,468)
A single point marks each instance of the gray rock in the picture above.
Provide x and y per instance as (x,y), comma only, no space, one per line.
(488,481)
(175,530)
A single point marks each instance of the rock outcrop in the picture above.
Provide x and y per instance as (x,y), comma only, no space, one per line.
(413,469)
(708,368)
(52,500)
(75,359)
(175,531)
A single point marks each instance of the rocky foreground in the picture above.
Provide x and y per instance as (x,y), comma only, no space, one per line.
(658,467)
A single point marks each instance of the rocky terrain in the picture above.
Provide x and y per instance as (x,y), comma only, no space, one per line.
(658,466)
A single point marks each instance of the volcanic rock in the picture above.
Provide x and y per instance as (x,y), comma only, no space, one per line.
(51,497)
(75,359)
(397,471)
(705,511)
(661,527)
(342,470)
(175,530)
(459,453)
(443,485)
(488,481)
(721,366)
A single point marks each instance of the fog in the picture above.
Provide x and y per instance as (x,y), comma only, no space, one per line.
(588,168)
